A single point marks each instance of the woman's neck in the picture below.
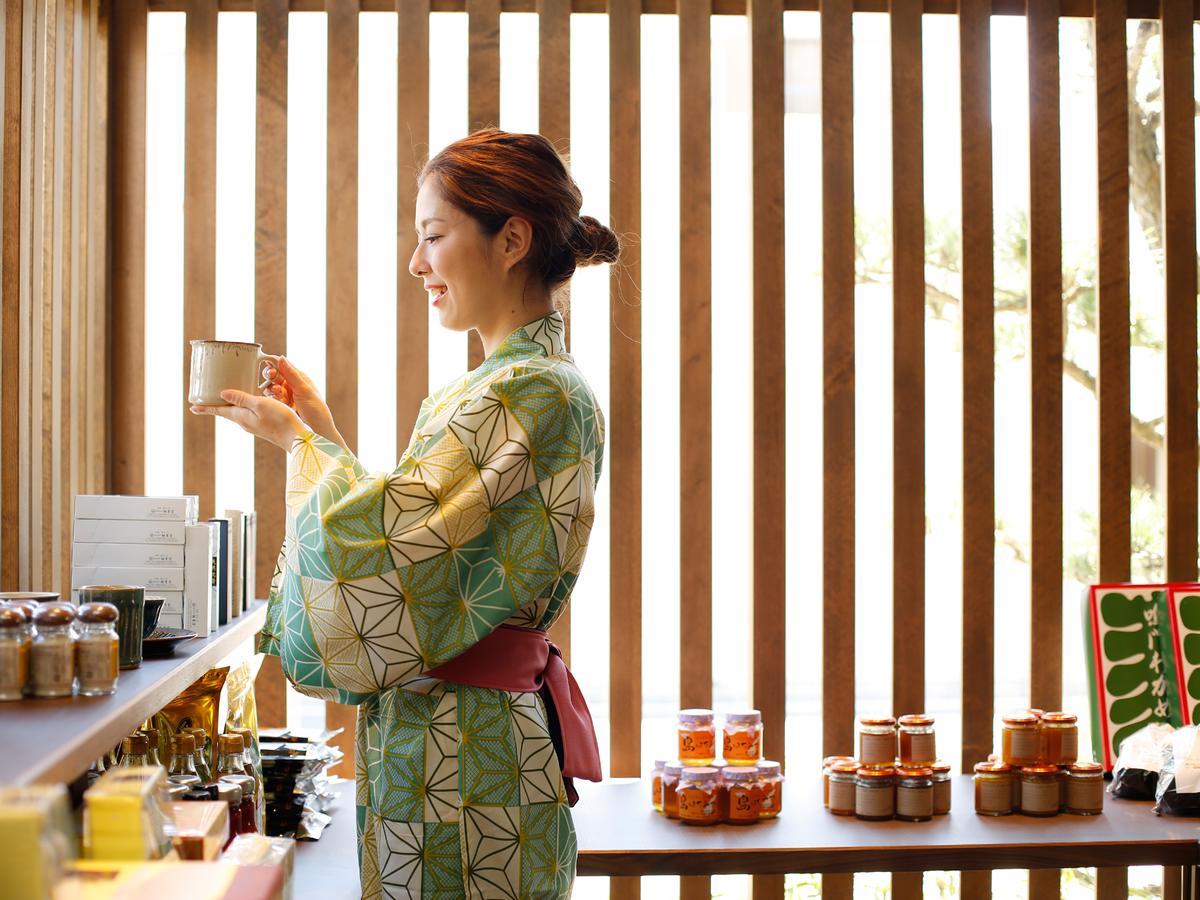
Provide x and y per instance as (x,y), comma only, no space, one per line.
(514,314)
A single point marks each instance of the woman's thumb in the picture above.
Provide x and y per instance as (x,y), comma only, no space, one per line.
(234,397)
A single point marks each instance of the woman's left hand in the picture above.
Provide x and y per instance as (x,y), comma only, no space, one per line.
(263,417)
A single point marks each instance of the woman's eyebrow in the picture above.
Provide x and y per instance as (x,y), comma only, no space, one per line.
(431,219)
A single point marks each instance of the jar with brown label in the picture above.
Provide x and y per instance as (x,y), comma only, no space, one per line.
(993,789)
(1020,740)
(1085,789)
(1041,791)
(875,794)
(917,741)
(914,793)
(827,768)
(742,737)
(1060,738)
(697,735)
(843,779)
(699,793)
(739,788)
(52,655)
(941,788)
(14,654)
(97,659)
(877,743)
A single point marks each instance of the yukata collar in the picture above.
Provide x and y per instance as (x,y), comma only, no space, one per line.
(544,336)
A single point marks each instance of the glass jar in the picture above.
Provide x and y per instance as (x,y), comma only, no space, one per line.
(941,788)
(877,743)
(699,793)
(52,654)
(740,797)
(1041,791)
(656,792)
(200,759)
(14,654)
(914,793)
(994,788)
(134,751)
(827,768)
(917,741)
(97,660)
(742,737)
(183,767)
(248,813)
(1060,738)
(843,778)
(1085,789)
(670,781)
(875,793)
(697,737)
(770,789)
(1020,740)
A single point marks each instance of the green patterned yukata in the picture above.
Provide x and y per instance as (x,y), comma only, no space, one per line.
(382,577)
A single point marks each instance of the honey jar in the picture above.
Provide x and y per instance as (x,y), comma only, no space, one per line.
(1020,740)
(1041,790)
(1060,738)
(699,792)
(877,743)
(656,787)
(914,793)
(1085,789)
(670,781)
(875,794)
(917,741)
(770,789)
(941,788)
(742,737)
(843,778)
(739,794)
(827,768)
(993,789)
(697,737)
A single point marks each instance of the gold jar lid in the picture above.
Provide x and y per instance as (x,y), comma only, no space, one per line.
(1020,717)
(1039,770)
(993,768)
(1059,718)
(830,761)
(12,617)
(914,771)
(876,774)
(98,613)
(184,743)
(229,743)
(54,614)
(941,768)
(844,768)
(1086,768)
(877,723)
(916,720)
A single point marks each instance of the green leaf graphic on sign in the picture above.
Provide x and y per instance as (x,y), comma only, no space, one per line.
(1131,652)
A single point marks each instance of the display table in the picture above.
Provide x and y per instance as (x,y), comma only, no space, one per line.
(56,740)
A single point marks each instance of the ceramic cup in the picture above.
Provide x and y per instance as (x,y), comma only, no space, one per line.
(221,365)
(130,602)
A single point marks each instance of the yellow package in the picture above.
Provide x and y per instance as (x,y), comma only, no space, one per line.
(122,819)
(36,838)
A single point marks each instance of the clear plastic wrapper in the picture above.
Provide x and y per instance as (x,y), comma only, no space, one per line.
(1178,791)
(1139,761)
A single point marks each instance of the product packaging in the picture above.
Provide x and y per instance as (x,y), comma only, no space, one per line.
(151,556)
(152,579)
(1178,792)
(197,706)
(257,850)
(37,837)
(127,531)
(198,579)
(115,506)
(1135,773)
(201,828)
(122,818)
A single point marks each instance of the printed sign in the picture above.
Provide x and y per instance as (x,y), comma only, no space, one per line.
(1183,618)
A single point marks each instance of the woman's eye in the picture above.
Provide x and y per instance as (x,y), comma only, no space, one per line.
(432,238)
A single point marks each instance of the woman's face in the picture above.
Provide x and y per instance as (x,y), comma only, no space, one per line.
(455,261)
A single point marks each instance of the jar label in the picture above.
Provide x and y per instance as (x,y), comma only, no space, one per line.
(914,802)
(1085,795)
(14,666)
(741,743)
(743,804)
(841,796)
(656,791)
(880,801)
(1040,796)
(876,749)
(97,662)
(993,795)
(768,797)
(697,744)
(53,666)
(922,748)
(1024,744)
(697,805)
(941,796)
(1070,745)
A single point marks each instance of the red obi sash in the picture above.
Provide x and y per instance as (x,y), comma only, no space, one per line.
(524,659)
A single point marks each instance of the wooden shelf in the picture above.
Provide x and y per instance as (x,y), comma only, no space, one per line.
(56,740)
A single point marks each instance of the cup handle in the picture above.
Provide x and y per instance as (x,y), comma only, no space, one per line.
(272,360)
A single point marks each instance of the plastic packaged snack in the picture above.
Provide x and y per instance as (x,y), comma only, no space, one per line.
(1178,791)
(1135,773)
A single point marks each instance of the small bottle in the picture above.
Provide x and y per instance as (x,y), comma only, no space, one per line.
(697,737)
(827,769)
(183,768)
(231,794)
(770,789)
(699,793)
(1020,742)
(97,658)
(14,654)
(917,741)
(1041,793)
(740,796)
(152,745)
(875,794)
(52,655)
(134,747)
(843,778)
(914,793)
(656,787)
(249,817)
(670,781)
(1060,738)
(1085,789)
(993,789)
(252,764)
(742,737)
(941,788)
(877,743)
(200,760)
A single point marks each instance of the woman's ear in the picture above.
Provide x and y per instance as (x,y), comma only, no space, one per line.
(518,240)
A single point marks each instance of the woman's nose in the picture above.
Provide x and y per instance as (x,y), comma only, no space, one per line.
(415,263)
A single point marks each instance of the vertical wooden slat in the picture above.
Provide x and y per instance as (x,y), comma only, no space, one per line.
(483,96)
(341,278)
(1173,877)
(60,572)
(837,192)
(1179,215)
(554,122)
(10,295)
(908,415)
(29,25)
(270,306)
(73,342)
(412,145)
(976,885)
(96,378)
(1112,156)
(1112,883)
(625,413)
(978,412)
(199,236)
(837,887)
(1045,884)
(906,885)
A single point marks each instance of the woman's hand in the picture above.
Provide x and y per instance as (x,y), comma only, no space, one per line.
(290,386)
(262,417)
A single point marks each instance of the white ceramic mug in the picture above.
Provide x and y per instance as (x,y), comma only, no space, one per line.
(221,365)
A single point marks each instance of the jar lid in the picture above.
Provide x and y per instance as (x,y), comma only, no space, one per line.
(184,743)
(54,614)
(1020,717)
(659,763)
(1060,718)
(1036,712)
(229,743)
(744,717)
(1086,768)
(700,773)
(696,715)
(739,773)
(835,760)
(993,767)
(673,768)
(914,771)
(98,613)
(917,720)
(1039,770)
(136,743)
(877,722)
(876,774)
(941,768)
(767,767)
(229,792)
(849,767)
(11,617)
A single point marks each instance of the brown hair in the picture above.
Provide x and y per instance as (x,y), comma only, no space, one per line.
(492,175)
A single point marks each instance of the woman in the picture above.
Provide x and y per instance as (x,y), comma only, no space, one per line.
(391,590)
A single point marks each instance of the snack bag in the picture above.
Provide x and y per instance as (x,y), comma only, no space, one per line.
(1135,774)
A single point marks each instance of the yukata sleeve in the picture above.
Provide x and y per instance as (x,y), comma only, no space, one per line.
(385,577)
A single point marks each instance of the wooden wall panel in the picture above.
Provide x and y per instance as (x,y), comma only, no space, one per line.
(483,96)
(10,293)
(95,233)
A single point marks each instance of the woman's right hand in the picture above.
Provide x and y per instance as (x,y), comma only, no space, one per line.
(290,386)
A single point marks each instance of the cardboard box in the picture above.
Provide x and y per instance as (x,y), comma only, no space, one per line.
(237,534)
(127,531)
(128,555)
(117,506)
(198,579)
(153,580)
(250,551)
(224,572)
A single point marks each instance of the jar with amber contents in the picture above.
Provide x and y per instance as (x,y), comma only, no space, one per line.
(1060,738)
(52,655)
(875,794)
(914,793)
(699,792)
(877,743)
(741,742)
(670,781)
(656,792)
(1020,740)
(96,654)
(770,789)
(993,789)
(14,654)
(827,768)
(843,779)
(941,788)
(739,794)
(697,737)
(1041,791)
(917,741)
(1085,789)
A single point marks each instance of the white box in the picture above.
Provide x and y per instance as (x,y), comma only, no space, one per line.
(117,506)
(173,601)
(127,531)
(199,613)
(153,580)
(250,552)
(237,536)
(150,556)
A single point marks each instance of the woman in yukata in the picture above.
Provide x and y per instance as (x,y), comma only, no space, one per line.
(423,595)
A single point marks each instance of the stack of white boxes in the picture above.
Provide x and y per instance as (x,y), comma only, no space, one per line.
(152,542)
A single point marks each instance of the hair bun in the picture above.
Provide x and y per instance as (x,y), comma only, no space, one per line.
(594,243)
